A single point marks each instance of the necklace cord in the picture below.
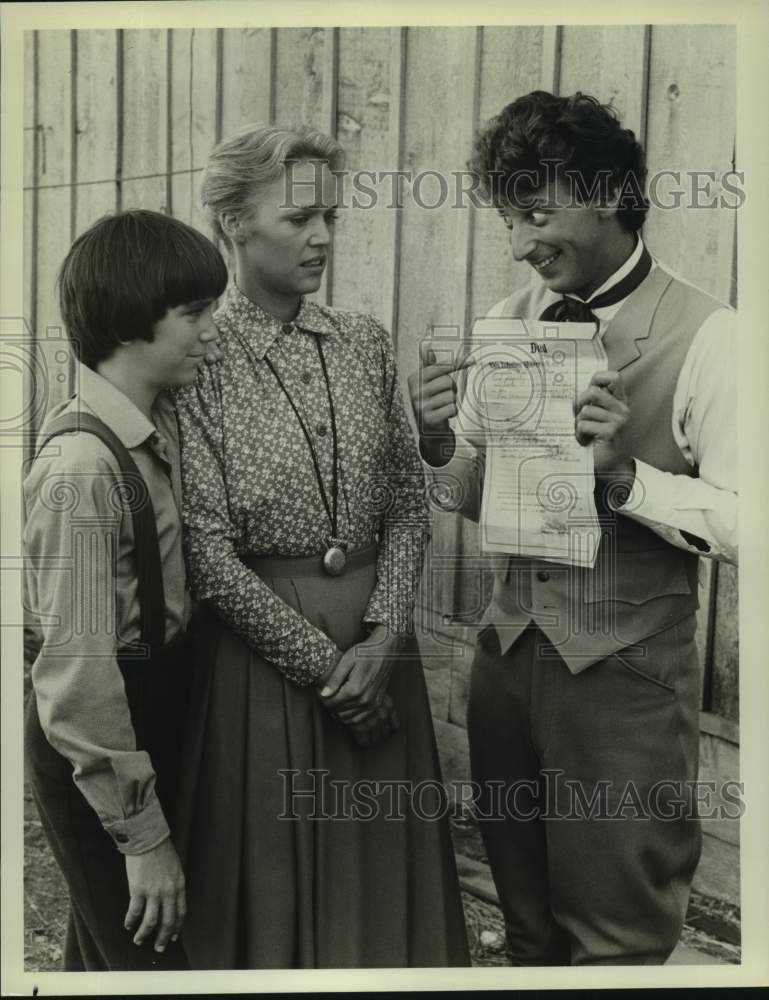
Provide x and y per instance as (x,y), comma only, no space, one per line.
(333,506)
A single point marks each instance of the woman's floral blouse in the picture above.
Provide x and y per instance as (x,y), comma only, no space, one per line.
(248,477)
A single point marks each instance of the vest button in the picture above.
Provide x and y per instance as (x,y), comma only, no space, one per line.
(306,378)
(287,327)
(321,430)
(543,575)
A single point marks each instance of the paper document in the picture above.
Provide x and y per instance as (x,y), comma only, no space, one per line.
(518,406)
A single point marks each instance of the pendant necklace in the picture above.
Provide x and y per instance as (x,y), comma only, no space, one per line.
(335,556)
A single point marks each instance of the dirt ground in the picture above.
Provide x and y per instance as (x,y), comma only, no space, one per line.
(45,897)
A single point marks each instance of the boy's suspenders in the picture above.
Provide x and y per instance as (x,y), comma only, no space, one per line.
(155,675)
(135,497)
(155,688)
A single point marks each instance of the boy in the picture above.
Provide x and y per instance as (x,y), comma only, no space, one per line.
(557,706)
(106,584)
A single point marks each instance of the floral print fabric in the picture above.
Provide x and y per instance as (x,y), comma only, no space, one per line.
(249,483)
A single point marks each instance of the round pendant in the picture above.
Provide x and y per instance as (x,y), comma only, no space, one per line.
(334,561)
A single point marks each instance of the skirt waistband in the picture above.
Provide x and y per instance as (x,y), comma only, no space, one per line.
(308,566)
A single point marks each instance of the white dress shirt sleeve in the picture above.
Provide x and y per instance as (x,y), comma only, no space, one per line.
(699,513)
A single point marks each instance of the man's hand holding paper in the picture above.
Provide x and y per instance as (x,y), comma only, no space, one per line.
(434,398)
(601,413)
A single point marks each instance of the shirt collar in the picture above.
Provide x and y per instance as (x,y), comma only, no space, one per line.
(262,329)
(115,409)
(618,275)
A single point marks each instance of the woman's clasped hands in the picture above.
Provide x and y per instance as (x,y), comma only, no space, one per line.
(355,689)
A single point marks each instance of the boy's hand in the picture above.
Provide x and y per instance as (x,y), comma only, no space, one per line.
(156,886)
(213,347)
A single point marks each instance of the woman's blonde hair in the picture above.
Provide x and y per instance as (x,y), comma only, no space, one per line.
(253,156)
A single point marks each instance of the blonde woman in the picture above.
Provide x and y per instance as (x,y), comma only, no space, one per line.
(316,833)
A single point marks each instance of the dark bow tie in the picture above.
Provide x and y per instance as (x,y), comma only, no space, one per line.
(568,310)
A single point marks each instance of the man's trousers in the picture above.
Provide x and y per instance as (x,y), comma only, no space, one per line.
(586,805)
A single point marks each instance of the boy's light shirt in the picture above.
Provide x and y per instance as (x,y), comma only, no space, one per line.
(86,608)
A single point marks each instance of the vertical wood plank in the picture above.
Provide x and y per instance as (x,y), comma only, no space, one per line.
(398,65)
(247,77)
(97,126)
(607,62)
(550,71)
(299,90)
(735,269)
(725,654)
(440,101)
(54,199)
(34,393)
(328,124)
(702,637)
(145,129)
(692,75)
(30,171)
(468,584)
(329,98)
(364,247)
(193,107)
(692,69)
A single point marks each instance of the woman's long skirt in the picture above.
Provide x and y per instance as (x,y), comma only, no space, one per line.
(302,849)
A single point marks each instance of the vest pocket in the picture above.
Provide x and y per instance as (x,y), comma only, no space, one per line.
(636,577)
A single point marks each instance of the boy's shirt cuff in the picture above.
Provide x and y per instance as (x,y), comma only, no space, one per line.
(141,832)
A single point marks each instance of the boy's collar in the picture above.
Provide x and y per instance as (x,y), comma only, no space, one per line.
(263,329)
(115,409)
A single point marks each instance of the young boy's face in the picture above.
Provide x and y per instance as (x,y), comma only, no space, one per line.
(564,241)
(180,344)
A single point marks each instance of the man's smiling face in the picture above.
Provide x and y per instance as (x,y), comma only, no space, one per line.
(571,246)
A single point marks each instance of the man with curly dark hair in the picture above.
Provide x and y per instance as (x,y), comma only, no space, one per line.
(585,688)
(540,139)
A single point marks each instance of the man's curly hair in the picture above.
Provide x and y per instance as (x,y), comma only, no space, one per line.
(540,136)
